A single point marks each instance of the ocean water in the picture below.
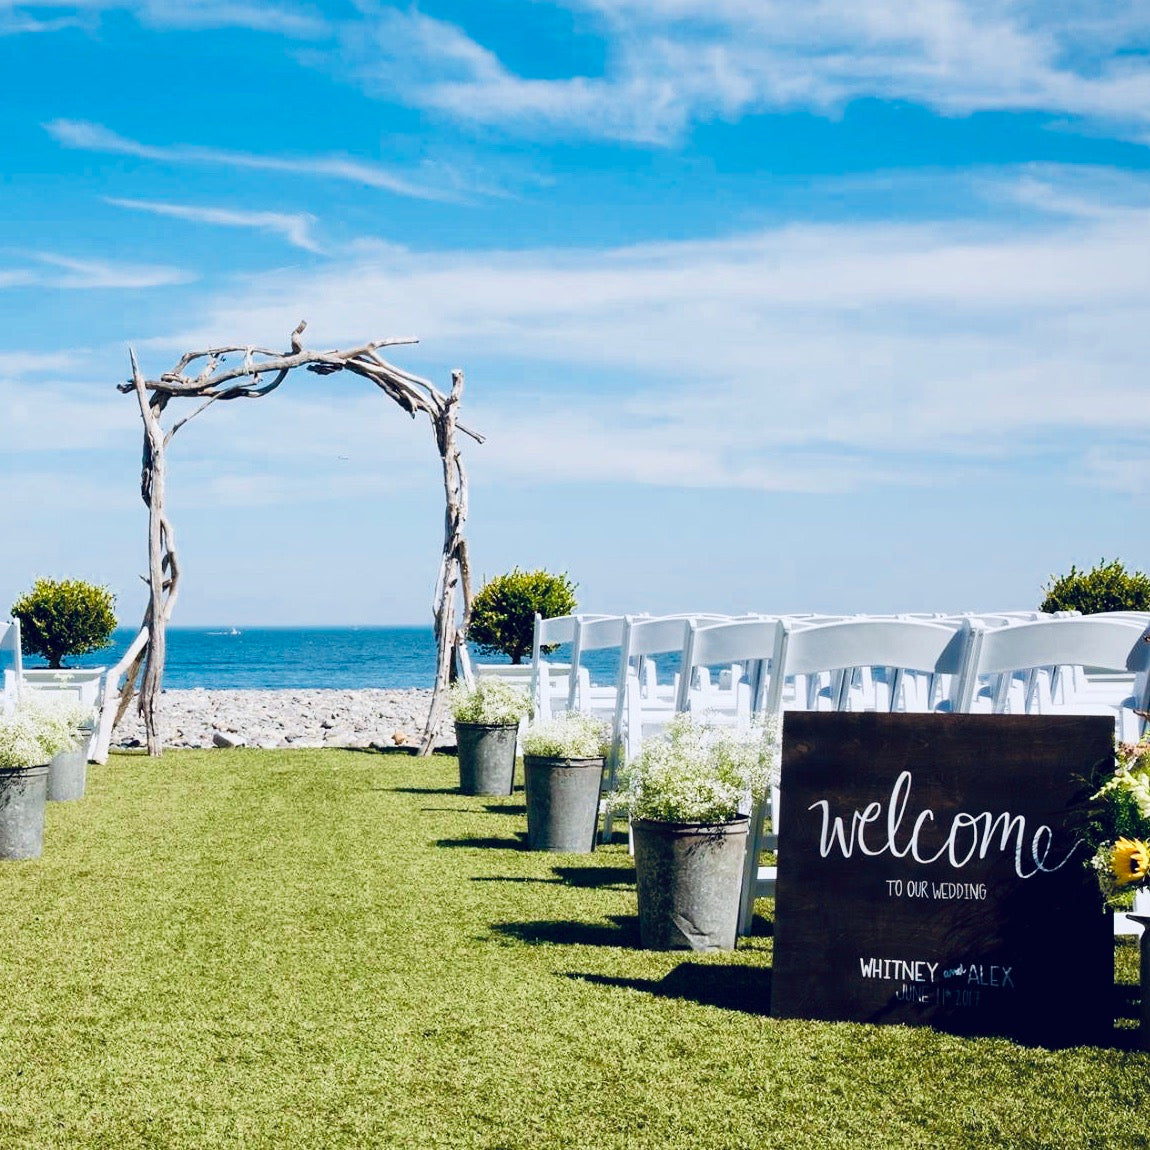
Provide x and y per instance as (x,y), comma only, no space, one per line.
(283,658)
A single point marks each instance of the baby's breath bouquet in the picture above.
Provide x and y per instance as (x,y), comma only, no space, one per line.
(699,774)
(60,719)
(570,736)
(1119,827)
(38,729)
(489,703)
(20,744)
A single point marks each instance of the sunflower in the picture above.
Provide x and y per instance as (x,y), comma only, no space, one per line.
(1130,861)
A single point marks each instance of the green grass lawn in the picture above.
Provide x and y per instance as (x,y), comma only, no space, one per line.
(336,949)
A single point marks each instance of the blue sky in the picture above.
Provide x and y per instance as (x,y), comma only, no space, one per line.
(828,305)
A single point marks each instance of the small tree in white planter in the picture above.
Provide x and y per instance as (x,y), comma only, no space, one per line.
(689,795)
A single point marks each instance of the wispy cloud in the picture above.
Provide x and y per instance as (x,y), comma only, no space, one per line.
(14,23)
(293,227)
(48,416)
(291,21)
(814,357)
(671,62)
(64,272)
(97,138)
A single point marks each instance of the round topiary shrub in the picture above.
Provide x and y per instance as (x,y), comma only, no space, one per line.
(62,617)
(503,613)
(1107,587)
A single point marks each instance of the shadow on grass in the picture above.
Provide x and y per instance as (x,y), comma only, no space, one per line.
(1127,999)
(519,843)
(513,878)
(426,791)
(744,988)
(505,809)
(584,877)
(762,927)
(377,749)
(624,932)
(592,877)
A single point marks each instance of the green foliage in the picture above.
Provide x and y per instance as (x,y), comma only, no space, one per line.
(1107,587)
(62,617)
(569,736)
(503,613)
(490,703)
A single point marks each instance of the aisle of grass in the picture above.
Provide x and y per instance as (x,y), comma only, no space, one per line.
(335,949)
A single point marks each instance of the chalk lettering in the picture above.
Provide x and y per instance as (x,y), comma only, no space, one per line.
(952,890)
(898,969)
(968,835)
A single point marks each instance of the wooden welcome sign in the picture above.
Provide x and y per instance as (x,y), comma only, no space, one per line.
(931,873)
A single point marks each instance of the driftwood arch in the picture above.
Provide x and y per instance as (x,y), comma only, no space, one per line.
(261,371)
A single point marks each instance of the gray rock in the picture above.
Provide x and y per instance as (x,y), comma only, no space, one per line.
(190,718)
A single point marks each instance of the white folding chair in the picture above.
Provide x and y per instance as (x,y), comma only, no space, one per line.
(549,681)
(11,663)
(593,634)
(640,708)
(744,645)
(1093,643)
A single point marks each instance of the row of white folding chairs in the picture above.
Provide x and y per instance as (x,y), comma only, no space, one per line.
(746,646)
(636,705)
(566,686)
(876,680)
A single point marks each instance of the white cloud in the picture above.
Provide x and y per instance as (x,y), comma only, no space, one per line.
(176,14)
(813,357)
(293,227)
(45,416)
(18,24)
(67,273)
(671,62)
(96,138)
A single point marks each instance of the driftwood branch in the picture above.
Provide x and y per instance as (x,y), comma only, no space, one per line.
(207,376)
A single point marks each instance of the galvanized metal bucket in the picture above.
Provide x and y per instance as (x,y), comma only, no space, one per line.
(689,876)
(562,803)
(23,795)
(486,758)
(68,775)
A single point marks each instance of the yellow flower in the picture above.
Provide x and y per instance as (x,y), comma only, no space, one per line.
(1130,861)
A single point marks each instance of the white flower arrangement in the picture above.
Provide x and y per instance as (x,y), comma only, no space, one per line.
(699,774)
(490,703)
(61,718)
(570,736)
(20,744)
(40,728)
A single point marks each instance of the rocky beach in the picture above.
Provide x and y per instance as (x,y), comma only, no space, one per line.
(291,718)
